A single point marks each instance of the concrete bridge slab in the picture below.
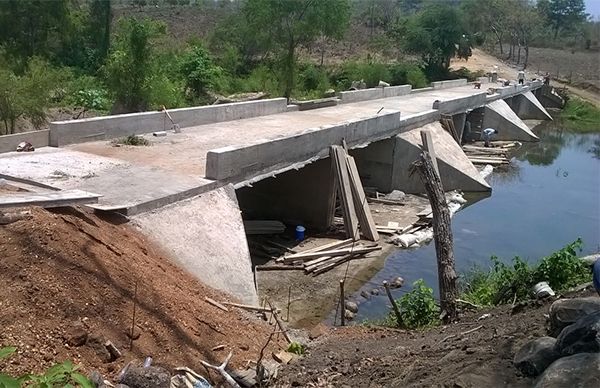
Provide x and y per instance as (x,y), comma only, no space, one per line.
(456,170)
(500,116)
(205,236)
(528,107)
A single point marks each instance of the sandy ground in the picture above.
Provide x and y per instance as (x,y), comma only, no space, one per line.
(483,61)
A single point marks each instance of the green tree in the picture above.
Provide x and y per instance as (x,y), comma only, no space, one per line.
(199,71)
(562,14)
(291,23)
(434,34)
(100,18)
(130,69)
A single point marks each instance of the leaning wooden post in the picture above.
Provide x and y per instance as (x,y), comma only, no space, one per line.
(342,303)
(393,302)
(442,233)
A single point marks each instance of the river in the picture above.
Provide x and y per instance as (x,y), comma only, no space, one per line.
(548,198)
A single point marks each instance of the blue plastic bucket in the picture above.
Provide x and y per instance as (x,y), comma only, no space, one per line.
(300,232)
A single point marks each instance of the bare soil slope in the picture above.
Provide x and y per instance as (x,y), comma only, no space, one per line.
(68,273)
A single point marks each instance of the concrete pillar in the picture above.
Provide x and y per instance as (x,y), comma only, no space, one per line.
(500,116)
(456,170)
(304,197)
(374,164)
(527,107)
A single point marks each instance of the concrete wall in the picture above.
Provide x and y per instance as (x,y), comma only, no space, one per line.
(205,236)
(527,107)
(500,116)
(38,139)
(244,162)
(304,197)
(460,104)
(374,93)
(421,90)
(459,120)
(109,127)
(374,164)
(449,84)
(408,122)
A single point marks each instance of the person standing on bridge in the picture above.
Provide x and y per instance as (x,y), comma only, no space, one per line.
(521,77)
(486,136)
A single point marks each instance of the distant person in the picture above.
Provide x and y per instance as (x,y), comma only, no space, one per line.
(547,79)
(521,77)
(495,74)
(486,136)
(596,276)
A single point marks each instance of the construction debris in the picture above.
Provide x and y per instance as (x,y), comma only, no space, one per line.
(487,155)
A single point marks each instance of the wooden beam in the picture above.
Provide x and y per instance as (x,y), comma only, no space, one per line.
(337,252)
(428,146)
(365,219)
(338,157)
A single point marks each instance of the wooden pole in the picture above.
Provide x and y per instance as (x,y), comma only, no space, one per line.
(393,302)
(442,233)
(342,303)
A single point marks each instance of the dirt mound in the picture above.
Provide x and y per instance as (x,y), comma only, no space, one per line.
(476,352)
(68,274)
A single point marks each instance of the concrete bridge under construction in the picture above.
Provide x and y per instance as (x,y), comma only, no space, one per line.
(267,158)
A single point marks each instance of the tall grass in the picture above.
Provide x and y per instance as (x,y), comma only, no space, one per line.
(581,116)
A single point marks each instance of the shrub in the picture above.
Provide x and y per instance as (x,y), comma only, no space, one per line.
(198,70)
(408,73)
(581,116)
(312,78)
(418,307)
(132,140)
(370,72)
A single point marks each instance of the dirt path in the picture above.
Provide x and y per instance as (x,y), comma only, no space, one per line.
(483,61)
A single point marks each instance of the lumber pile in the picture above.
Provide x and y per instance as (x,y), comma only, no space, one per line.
(323,258)
(448,125)
(355,207)
(486,155)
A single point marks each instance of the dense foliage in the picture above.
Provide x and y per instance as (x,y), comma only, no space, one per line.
(94,60)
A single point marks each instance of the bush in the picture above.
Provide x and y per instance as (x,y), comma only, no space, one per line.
(503,283)
(370,72)
(418,307)
(132,140)
(463,72)
(581,116)
(408,73)
(60,375)
(198,70)
(87,92)
(312,78)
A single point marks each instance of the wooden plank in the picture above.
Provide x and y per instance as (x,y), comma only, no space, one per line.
(310,265)
(385,201)
(428,146)
(329,246)
(365,219)
(278,267)
(48,199)
(247,307)
(336,252)
(216,304)
(338,157)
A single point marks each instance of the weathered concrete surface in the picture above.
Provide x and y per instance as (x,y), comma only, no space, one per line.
(242,163)
(304,197)
(500,116)
(527,107)
(548,97)
(456,170)
(38,139)
(375,163)
(460,104)
(374,93)
(109,127)
(449,84)
(459,121)
(205,236)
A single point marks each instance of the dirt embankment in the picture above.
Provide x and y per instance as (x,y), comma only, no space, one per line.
(476,352)
(68,275)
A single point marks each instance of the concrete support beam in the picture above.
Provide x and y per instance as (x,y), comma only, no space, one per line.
(460,104)
(527,107)
(459,120)
(304,197)
(449,84)
(500,116)
(38,139)
(110,127)
(244,162)
(456,170)
(205,236)
(374,93)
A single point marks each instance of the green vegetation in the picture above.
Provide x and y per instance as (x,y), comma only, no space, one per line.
(418,307)
(72,54)
(296,348)
(581,116)
(60,375)
(504,283)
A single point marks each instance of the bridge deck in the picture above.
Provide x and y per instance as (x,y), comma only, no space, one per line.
(175,164)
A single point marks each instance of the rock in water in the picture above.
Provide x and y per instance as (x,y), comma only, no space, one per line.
(397,282)
(565,312)
(535,356)
(580,370)
(581,337)
(151,377)
(353,307)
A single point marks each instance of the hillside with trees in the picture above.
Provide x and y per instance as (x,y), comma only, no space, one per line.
(78,58)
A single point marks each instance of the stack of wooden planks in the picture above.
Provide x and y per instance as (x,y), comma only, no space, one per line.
(355,208)
(486,155)
(323,258)
(448,125)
